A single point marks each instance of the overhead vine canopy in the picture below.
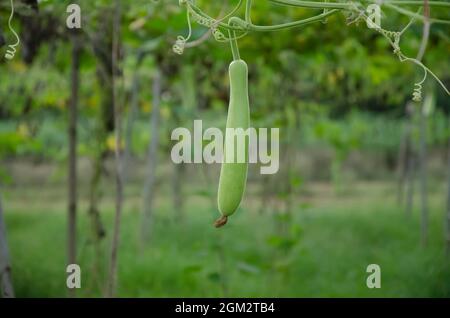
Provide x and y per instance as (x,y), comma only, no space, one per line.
(231,27)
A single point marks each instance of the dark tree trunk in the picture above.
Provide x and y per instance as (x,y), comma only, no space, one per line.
(423,128)
(410,181)
(447,215)
(188,94)
(410,161)
(423,179)
(149,187)
(102,43)
(402,168)
(72,173)
(117,102)
(6,286)
(177,181)
(134,106)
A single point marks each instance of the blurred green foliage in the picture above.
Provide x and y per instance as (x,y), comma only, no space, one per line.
(323,71)
(327,85)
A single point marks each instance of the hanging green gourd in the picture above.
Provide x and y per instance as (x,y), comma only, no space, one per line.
(233,175)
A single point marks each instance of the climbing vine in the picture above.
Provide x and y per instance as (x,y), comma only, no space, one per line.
(236,27)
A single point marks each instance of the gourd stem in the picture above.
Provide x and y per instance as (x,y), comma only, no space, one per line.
(234,45)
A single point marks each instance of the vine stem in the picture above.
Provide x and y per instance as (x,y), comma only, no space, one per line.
(314,4)
(425,32)
(348,5)
(293,24)
(248,9)
(415,15)
(241,25)
(418,3)
(265,28)
(208,33)
(247,25)
(233,42)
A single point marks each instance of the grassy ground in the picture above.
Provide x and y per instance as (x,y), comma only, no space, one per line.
(322,251)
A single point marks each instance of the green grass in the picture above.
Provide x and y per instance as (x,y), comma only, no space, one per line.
(323,252)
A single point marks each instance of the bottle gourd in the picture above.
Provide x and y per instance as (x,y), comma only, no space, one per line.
(233,175)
